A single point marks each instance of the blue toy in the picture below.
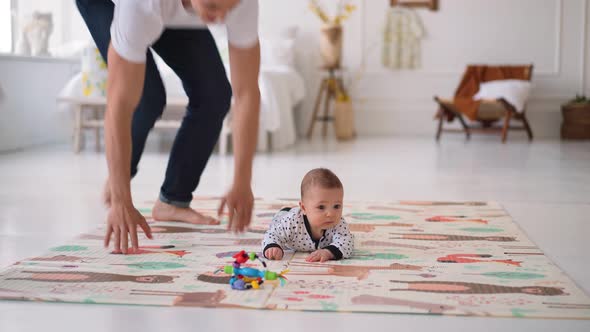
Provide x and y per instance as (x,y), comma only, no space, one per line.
(244,278)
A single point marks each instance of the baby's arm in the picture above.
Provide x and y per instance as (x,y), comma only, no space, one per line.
(342,243)
(275,238)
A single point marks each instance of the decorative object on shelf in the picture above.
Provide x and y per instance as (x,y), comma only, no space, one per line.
(576,118)
(402,37)
(331,45)
(331,32)
(35,33)
(430,4)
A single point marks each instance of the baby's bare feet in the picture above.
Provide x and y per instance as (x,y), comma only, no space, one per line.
(167,212)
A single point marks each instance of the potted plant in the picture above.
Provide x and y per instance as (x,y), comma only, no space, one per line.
(576,118)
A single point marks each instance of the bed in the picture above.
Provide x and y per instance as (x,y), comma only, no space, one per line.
(281,86)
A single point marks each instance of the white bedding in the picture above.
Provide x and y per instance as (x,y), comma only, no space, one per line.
(281,89)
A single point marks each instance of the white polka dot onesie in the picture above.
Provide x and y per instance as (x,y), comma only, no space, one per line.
(290,229)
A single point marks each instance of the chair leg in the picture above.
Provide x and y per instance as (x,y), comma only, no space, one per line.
(97,129)
(329,94)
(440,124)
(529,131)
(223,143)
(224,135)
(464,124)
(316,108)
(77,128)
(262,144)
(506,125)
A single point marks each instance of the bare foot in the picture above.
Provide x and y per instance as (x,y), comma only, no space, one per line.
(106,194)
(167,212)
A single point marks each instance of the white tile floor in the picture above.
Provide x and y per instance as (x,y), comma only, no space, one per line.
(48,195)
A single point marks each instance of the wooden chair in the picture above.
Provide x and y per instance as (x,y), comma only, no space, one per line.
(484,112)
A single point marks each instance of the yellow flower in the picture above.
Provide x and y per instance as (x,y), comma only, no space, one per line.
(350,8)
(342,14)
(343,98)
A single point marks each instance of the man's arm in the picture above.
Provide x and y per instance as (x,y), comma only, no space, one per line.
(245,67)
(124,88)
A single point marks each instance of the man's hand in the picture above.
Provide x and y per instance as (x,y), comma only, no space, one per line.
(124,89)
(245,65)
(239,201)
(123,219)
(274,253)
(320,255)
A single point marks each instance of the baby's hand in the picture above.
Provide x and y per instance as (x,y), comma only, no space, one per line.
(274,253)
(321,255)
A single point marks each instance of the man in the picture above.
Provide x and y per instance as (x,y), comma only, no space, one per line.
(124,31)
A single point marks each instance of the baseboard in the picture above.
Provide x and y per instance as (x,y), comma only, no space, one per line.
(415,118)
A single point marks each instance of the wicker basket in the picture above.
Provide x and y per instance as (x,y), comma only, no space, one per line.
(576,121)
(343,120)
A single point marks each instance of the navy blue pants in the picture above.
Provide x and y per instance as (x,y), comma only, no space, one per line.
(194,57)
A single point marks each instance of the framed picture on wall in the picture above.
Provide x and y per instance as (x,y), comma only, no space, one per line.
(430,4)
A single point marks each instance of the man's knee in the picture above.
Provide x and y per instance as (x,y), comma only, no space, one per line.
(222,96)
(152,104)
(215,101)
(226,97)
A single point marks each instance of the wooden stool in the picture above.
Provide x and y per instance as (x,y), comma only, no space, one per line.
(331,85)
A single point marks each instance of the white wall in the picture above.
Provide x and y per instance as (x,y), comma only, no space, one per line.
(5,27)
(28,110)
(551,34)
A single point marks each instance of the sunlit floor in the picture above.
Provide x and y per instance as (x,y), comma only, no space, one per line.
(48,195)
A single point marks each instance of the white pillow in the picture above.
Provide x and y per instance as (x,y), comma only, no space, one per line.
(516,92)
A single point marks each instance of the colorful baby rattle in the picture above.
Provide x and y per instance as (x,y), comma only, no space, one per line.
(244,278)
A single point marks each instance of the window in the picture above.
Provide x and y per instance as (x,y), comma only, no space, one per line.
(42,28)
(5,27)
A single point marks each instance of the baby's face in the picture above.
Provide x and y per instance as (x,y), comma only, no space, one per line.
(323,207)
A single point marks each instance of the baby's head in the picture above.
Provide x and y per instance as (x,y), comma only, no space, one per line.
(321,198)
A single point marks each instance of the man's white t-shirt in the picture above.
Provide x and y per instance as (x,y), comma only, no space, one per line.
(137,24)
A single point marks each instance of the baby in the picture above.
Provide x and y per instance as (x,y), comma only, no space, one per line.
(315,226)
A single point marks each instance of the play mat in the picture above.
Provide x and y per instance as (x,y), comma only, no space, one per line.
(445,258)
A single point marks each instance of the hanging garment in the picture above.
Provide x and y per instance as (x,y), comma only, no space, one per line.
(402,36)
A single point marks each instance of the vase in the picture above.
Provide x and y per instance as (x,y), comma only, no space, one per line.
(331,46)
